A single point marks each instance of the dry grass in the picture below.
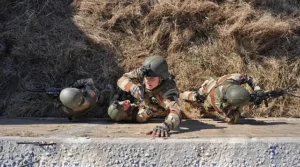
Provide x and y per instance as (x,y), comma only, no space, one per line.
(53,43)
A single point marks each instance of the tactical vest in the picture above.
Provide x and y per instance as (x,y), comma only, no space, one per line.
(151,100)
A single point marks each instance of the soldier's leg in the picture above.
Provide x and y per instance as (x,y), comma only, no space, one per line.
(192,95)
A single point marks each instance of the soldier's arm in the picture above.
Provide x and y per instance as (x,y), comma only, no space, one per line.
(83,82)
(127,84)
(250,81)
(245,79)
(87,86)
(174,117)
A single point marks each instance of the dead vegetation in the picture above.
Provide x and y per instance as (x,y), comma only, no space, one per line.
(53,43)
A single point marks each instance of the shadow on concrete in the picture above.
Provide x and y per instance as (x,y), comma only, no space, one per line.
(250,121)
(193,125)
(52,120)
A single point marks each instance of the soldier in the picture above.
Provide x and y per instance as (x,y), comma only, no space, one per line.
(81,97)
(155,91)
(224,96)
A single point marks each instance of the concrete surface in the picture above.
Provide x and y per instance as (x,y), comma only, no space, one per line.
(259,142)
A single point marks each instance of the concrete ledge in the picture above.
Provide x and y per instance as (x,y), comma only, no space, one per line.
(205,143)
(94,152)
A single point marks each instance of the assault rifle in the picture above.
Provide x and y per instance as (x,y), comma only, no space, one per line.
(49,91)
(258,97)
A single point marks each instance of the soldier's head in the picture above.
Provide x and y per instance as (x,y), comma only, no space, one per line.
(74,99)
(237,95)
(117,110)
(155,70)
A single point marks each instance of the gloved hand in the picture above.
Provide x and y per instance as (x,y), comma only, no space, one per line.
(259,98)
(257,101)
(159,131)
(137,92)
(200,98)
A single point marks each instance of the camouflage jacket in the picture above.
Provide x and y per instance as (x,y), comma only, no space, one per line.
(215,89)
(163,97)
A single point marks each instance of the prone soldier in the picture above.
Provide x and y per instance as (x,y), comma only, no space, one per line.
(224,97)
(81,97)
(155,91)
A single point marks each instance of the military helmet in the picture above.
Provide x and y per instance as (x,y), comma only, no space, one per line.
(116,111)
(155,66)
(237,95)
(71,97)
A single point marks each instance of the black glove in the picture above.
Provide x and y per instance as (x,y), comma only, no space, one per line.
(258,100)
(259,97)
(200,98)
(159,131)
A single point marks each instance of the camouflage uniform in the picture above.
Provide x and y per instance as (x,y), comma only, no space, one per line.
(161,101)
(91,95)
(214,90)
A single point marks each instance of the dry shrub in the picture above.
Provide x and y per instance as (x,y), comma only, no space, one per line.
(53,43)
(172,27)
(263,33)
(254,31)
(125,19)
(213,59)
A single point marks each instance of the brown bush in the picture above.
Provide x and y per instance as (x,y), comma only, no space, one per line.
(53,43)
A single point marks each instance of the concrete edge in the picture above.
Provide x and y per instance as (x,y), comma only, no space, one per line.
(88,140)
(108,119)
